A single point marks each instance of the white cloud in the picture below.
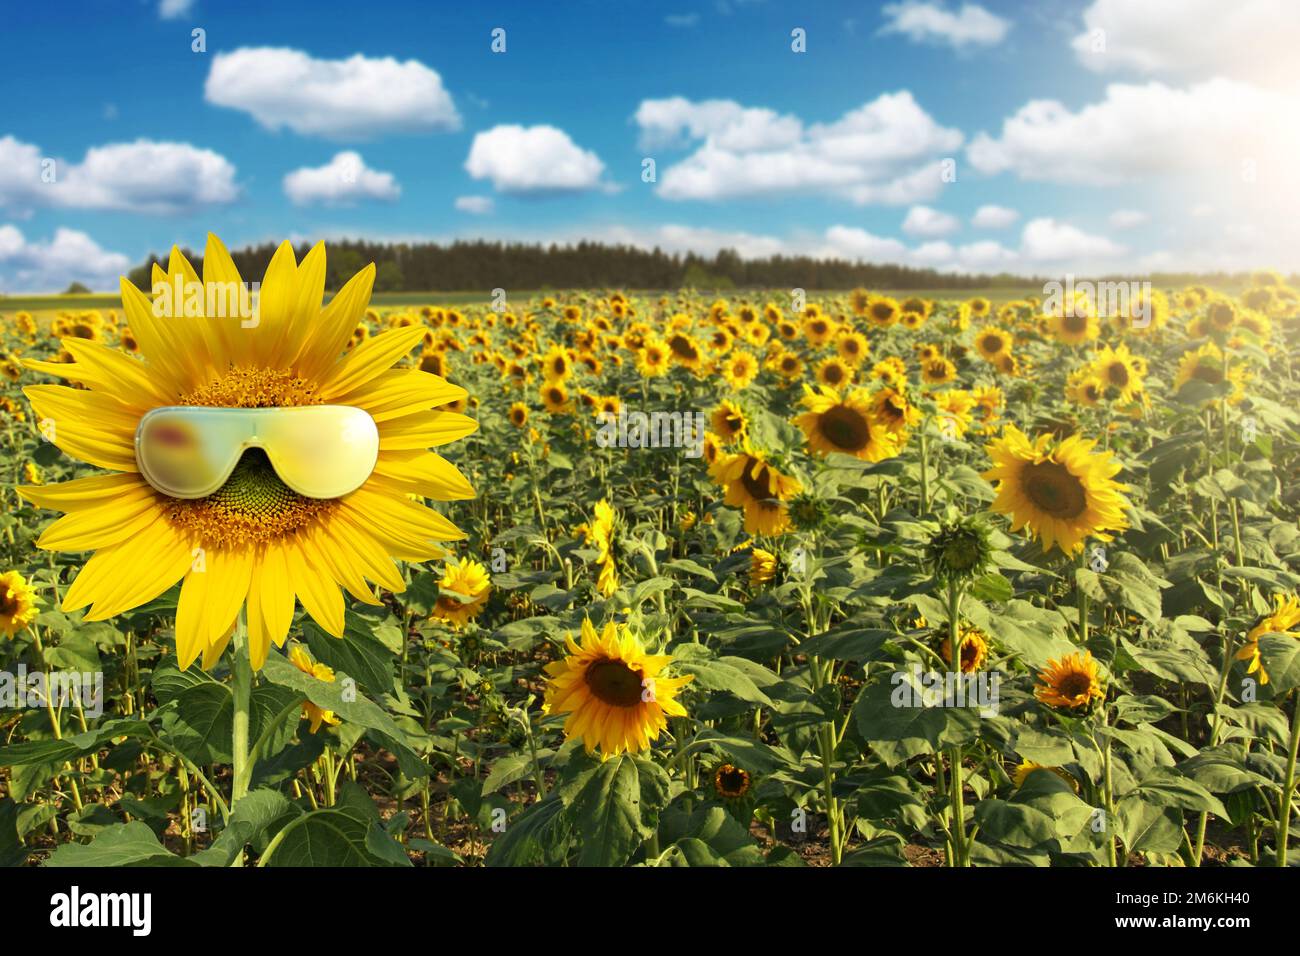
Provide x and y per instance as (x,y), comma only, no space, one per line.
(1049,240)
(1254,39)
(356,98)
(51,266)
(475,205)
(972,25)
(1128,219)
(849,242)
(885,151)
(343,181)
(1146,131)
(993,217)
(930,223)
(533,159)
(175,9)
(144,176)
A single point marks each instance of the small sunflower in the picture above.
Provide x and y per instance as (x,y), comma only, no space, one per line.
(1028,767)
(462,593)
(740,370)
(555,397)
(17,603)
(1070,682)
(1285,619)
(518,414)
(653,359)
(938,371)
(834,372)
(613,691)
(601,534)
(754,485)
(974,649)
(728,422)
(1062,493)
(731,782)
(317,715)
(992,342)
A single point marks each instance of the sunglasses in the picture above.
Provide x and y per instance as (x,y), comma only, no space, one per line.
(319,451)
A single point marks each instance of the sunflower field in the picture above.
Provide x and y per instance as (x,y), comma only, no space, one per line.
(779,578)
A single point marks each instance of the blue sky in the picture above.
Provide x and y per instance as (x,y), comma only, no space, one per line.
(1105,136)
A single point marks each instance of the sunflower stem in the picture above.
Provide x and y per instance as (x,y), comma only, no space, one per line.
(241,686)
(958,828)
(1283,827)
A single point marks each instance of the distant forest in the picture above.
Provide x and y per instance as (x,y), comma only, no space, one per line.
(481,265)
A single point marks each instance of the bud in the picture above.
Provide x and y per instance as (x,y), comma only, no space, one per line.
(960,550)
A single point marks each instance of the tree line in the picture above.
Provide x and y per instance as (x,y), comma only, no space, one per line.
(467,265)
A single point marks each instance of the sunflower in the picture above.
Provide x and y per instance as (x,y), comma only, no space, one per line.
(938,371)
(883,311)
(834,373)
(17,603)
(1085,388)
(462,592)
(740,370)
(728,422)
(852,347)
(992,342)
(974,649)
(731,782)
(891,372)
(685,351)
(1285,619)
(954,406)
(555,397)
(300,659)
(891,409)
(1073,326)
(518,414)
(600,534)
(786,364)
(818,329)
(653,358)
(556,365)
(1119,370)
(1061,493)
(1207,364)
(1071,682)
(754,485)
(762,567)
(613,691)
(845,424)
(979,306)
(262,544)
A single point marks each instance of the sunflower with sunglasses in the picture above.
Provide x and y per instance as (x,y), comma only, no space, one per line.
(256,460)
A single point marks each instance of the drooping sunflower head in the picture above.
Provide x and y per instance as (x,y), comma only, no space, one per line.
(754,484)
(1072,682)
(1061,492)
(255,542)
(960,550)
(762,567)
(731,782)
(615,694)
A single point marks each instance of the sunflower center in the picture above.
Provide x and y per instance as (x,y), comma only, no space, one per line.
(1208,373)
(614,683)
(970,655)
(1053,489)
(1118,374)
(1075,685)
(8,602)
(732,781)
(845,428)
(683,348)
(1075,323)
(252,507)
(254,388)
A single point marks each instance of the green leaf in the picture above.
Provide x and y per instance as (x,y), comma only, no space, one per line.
(252,821)
(707,836)
(354,707)
(1280,655)
(539,835)
(130,844)
(77,745)
(1166,787)
(614,805)
(358,652)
